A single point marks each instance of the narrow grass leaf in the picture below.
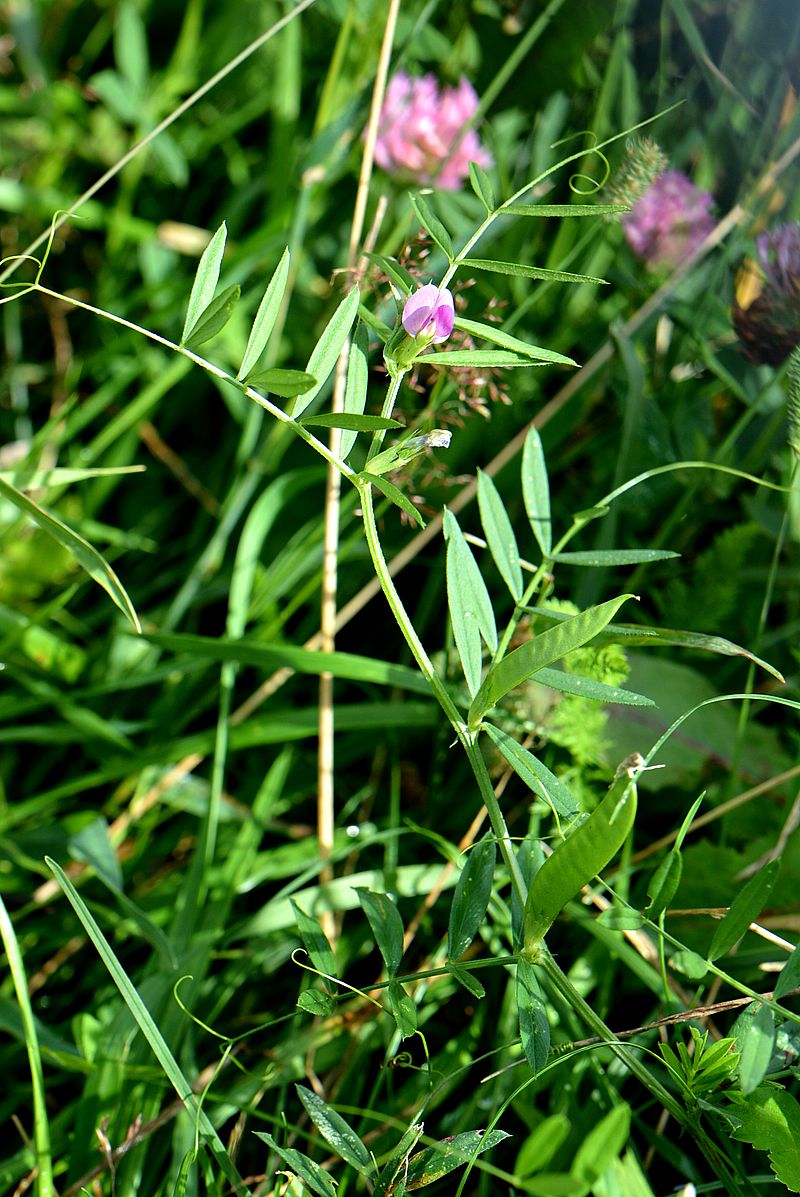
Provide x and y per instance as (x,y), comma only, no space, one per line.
(586,687)
(535,272)
(536,776)
(314,1177)
(789,976)
(466,978)
(471,898)
(396,273)
(479,358)
(577,859)
(431,222)
(536,490)
(606,557)
(205,280)
(337,1133)
(746,906)
(85,554)
(664,883)
(490,332)
(149,1028)
(756,1047)
(288,384)
(355,423)
(182,1179)
(563,209)
(266,316)
(534,1028)
(387,927)
(499,534)
(448,1154)
(327,349)
(355,389)
(395,496)
(214,318)
(315,941)
(471,612)
(482,186)
(538,652)
(403,1010)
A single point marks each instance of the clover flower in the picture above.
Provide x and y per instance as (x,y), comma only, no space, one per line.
(420,131)
(669,221)
(768,323)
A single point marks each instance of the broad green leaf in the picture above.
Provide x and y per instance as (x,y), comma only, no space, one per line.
(205,281)
(354,423)
(278,381)
(335,1131)
(690,964)
(317,1002)
(266,316)
(355,390)
(471,898)
(534,1028)
(448,1154)
(85,554)
(611,557)
(130,49)
(309,1172)
(490,332)
(430,221)
(466,978)
(395,496)
(402,1009)
(534,272)
(536,776)
(268,656)
(117,95)
(536,490)
(214,318)
(538,652)
(770,1120)
(746,906)
(755,1046)
(396,273)
(789,976)
(578,859)
(92,845)
(326,352)
(315,941)
(499,534)
(586,687)
(470,607)
(664,883)
(541,1145)
(479,358)
(482,186)
(387,927)
(392,1178)
(618,919)
(602,1145)
(563,209)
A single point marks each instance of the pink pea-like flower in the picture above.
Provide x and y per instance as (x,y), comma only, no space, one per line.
(669,221)
(420,133)
(430,313)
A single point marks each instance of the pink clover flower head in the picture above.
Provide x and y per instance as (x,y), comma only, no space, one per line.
(420,131)
(669,221)
(429,314)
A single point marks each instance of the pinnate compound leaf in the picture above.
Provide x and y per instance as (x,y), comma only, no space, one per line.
(471,898)
(746,906)
(85,554)
(770,1121)
(536,776)
(335,1131)
(214,318)
(266,316)
(309,1172)
(431,222)
(468,599)
(387,927)
(536,490)
(534,272)
(534,1028)
(499,534)
(315,941)
(327,349)
(490,332)
(278,381)
(756,1045)
(355,390)
(539,652)
(482,186)
(395,496)
(448,1154)
(205,281)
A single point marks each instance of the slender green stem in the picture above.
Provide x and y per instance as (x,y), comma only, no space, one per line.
(386,411)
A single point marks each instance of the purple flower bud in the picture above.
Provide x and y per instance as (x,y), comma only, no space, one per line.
(429,313)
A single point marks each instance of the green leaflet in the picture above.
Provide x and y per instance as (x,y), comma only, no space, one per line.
(430,221)
(534,1028)
(214,318)
(266,316)
(205,281)
(536,490)
(482,186)
(327,349)
(387,927)
(499,535)
(471,611)
(335,1131)
(746,906)
(471,898)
